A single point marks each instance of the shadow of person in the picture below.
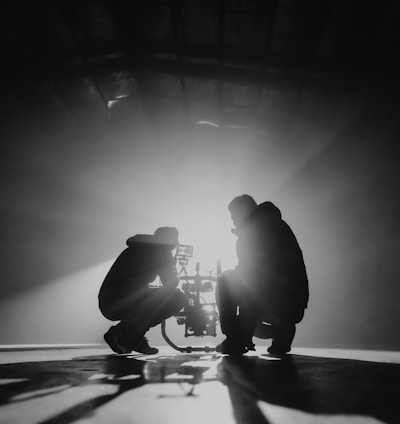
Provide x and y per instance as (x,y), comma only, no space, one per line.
(313,385)
(250,379)
(127,373)
(30,380)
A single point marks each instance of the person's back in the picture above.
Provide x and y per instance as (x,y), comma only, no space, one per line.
(137,266)
(271,261)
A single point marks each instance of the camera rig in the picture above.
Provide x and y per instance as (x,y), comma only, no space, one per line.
(198,316)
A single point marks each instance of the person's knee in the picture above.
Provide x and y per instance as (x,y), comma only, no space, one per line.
(173,300)
(226,277)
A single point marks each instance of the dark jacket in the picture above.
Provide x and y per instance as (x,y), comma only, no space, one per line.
(271,261)
(138,265)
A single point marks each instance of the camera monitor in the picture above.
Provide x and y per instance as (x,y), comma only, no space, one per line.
(184,251)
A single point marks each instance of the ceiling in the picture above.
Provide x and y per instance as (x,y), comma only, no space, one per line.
(229,62)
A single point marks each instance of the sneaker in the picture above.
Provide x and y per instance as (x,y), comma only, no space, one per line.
(141,345)
(231,347)
(278,350)
(113,339)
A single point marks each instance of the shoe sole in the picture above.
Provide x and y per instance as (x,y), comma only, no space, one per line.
(152,351)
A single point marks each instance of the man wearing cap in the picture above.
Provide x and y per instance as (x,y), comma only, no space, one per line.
(125,294)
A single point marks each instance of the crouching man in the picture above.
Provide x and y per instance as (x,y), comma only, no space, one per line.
(267,293)
(125,294)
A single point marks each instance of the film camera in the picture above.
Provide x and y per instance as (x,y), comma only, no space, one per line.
(199,316)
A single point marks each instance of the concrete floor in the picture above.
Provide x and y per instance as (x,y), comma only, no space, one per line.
(89,384)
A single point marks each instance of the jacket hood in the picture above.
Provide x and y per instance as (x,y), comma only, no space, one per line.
(141,238)
(155,239)
(268,211)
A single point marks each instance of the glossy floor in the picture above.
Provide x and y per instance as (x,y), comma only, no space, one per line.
(89,384)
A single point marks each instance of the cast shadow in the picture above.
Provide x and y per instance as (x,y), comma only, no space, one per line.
(314,385)
(29,380)
(319,386)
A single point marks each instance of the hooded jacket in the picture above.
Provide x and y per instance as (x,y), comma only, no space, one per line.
(270,260)
(139,264)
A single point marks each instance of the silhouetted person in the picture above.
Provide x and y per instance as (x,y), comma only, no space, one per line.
(268,291)
(125,294)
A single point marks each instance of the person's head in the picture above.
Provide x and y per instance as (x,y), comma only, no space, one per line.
(168,236)
(241,207)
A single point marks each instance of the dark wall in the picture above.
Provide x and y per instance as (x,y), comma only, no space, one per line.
(351,230)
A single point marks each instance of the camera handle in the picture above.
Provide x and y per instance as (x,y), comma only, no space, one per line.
(187,349)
